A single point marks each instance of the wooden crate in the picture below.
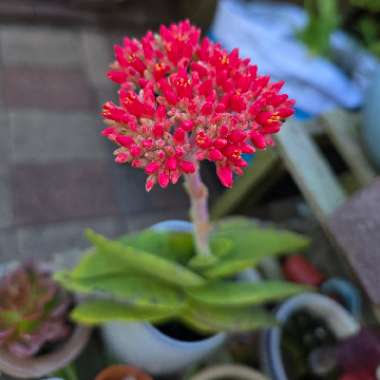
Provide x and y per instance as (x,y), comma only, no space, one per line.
(341,217)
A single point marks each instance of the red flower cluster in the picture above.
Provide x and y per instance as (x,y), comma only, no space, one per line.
(183,100)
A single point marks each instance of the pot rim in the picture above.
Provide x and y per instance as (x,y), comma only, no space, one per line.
(221,371)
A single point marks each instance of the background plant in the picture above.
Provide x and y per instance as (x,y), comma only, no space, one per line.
(33,311)
(324,18)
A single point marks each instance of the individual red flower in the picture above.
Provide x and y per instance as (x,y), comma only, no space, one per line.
(184,100)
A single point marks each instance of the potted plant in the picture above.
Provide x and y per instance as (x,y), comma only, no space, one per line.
(36,336)
(183,101)
(304,315)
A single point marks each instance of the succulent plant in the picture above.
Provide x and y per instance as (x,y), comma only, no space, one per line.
(148,276)
(33,310)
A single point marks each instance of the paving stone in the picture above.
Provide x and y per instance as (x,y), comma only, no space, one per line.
(8,245)
(96,55)
(145,220)
(50,89)
(39,46)
(62,191)
(355,226)
(38,136)
(106,93)
(172,198)
(130,186)
(6,214)
(43,241)
(5,151)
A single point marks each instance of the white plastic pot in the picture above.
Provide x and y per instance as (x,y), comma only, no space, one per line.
(144,346)
(338,319)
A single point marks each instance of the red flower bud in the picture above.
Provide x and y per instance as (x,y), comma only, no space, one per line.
(152,167)
(225,175)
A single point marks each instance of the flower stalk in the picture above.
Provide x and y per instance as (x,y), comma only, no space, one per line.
(199,214)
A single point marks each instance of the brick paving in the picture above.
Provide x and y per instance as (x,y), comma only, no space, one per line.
(57,175)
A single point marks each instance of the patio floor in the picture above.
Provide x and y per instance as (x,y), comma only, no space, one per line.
(57,174)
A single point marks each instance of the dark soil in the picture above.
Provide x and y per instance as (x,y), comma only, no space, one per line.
(179,331)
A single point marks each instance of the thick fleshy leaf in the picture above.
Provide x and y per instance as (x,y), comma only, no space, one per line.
(144,262)
(94,312)
(133,289)
(211,319)
(95,263)
(245,293)
(175,246)
(251,244)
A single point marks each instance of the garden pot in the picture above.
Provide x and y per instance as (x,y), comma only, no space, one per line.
(229,371)
(370,125)
(43,365)
(121,372)
(145,346)
(40,366)
(341,323)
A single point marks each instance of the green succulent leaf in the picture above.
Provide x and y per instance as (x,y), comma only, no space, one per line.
(95,263)
(95,312)
(244,293)
(133,289)
(175,246)
(144,262)
(212,319)
(250,244)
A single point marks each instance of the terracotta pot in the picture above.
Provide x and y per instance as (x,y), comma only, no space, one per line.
(43,365)
(121,372)
(229,371)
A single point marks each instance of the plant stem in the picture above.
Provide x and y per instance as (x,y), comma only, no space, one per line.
(198,194)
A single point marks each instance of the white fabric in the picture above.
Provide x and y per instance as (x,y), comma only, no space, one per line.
(264,31)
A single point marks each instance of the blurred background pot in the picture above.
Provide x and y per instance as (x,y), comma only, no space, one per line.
(121,372)
(229,371)
(341,323)
(42,365)
(51,359)
(147,347)
(371,126)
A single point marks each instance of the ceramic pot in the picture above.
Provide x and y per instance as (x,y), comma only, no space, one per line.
(121,372)
(43,365)
(337,318)
(148,348)
(229,371)
(370,126)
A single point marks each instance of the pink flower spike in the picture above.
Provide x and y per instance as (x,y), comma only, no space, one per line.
(150,182)
(183,99)
(258,140)
(122,158)
(126,141)
(163,180)
(171,163)
(225,175)
(187,167)
(117,76)
(152,167)
(215,155)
